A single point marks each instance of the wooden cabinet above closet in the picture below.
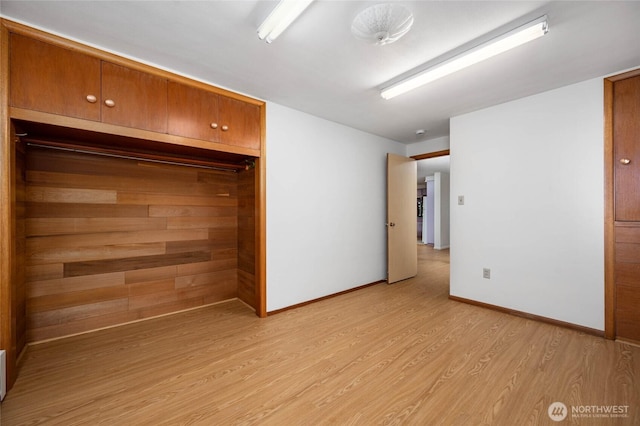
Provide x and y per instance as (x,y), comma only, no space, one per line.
(132,98)
(66,82)
(201,114)
(51,79)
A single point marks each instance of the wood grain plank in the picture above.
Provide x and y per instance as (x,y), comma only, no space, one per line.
(71,284)
(169,307)
(41,194)
(18,256)
(224,253)
(222,277)
(222,292)
(116,238)
(150,274)
(151,287)
(197,245)
(93,267)
(155,184)
(204,267)
(60,226)
(217,199)
(229,222)
(84,210)
(221,236)
(217,176)
(85,254)
(77,298)
(157,298)
(82,326)
(247,238)
(246,287)
(246,258)
(191,211)
(47,271)
(43,319)
(48,160)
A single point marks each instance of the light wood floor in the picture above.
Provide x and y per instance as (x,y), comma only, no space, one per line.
(399,354)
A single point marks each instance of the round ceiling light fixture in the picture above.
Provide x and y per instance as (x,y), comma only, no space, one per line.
(382,24)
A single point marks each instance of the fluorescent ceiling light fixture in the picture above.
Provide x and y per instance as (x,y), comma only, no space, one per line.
(280,18)
(493,47)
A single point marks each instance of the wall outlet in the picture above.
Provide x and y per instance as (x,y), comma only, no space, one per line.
(486,273)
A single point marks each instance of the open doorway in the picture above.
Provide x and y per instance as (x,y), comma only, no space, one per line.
(402,179)
(433,200)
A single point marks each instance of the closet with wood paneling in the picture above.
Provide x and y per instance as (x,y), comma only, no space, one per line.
(128,192)
(622,214)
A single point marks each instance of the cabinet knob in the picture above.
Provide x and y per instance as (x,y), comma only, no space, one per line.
(225,128)
(110,103)
(91,99)
(214,125)
(624,161)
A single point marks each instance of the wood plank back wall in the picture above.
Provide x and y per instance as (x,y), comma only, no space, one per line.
(112,240)
(19,295)
(247,238)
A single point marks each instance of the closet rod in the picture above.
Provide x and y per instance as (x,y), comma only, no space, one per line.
(200,164)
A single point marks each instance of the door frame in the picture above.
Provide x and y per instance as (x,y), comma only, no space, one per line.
(7,217)
(609,199)
(431,155)
(434,154)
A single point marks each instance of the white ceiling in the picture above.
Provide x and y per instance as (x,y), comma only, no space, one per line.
(317,66)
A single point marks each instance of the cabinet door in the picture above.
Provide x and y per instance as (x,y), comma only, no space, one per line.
(626,147)
(53,79)
(192,112)
(626,134)
(133,98)
(240,123)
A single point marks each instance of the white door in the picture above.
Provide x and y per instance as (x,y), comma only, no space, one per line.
(402,246)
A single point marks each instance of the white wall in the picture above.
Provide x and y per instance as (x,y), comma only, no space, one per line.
(326,207)
(431,145)
(442,202)
(531,172)
(429,213)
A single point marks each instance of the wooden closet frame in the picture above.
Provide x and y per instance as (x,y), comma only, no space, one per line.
(8,261)
(609,207)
